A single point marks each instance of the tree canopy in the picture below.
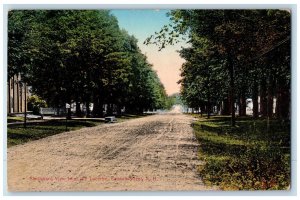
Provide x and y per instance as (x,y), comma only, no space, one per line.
(233,55)
(81,56)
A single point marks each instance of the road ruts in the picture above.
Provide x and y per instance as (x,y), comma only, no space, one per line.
(154,153)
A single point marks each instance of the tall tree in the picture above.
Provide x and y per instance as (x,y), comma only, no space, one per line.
(82,57)
(242,39)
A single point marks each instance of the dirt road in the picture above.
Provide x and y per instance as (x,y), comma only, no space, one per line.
(153,153)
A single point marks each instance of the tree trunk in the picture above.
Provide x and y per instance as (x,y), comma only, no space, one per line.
(98,107)
(208,103)
(219,108)
(78,109)
(271,85)
(69,111)
(95,106)
(243,105)
(119,110)
(283,103)
(25,110)
(109,109)
(239,105)
(232,89)
(8,96)
(255,99)
(201,110)
(225,107)
(263,99)
(58,111)
(270,105)
(101,109)
(208,110)
(88,112)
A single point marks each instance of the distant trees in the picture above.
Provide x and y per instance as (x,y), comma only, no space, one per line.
(82,57)
(233,55)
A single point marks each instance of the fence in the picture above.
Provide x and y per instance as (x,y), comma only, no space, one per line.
(52,111)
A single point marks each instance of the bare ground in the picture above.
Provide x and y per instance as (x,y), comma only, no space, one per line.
(153,153)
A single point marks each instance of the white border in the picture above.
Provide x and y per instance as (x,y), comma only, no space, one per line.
(63,4)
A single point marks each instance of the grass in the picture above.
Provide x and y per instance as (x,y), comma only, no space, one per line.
(131,116)
(20,135)
(250,156)
(15,119)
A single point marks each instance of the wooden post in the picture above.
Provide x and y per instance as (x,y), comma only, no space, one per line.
(25,110)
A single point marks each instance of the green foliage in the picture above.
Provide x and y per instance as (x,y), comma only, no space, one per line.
(176,99)
(34,103)
(244,157)
(81,56)
(233,55)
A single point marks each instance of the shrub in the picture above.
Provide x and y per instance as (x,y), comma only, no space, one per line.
(34,104)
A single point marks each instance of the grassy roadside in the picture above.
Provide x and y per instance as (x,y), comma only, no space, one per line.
(131,116)
(19,135)
(245,157)
(15,119)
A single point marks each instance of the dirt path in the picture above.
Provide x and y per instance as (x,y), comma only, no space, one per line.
(153,153)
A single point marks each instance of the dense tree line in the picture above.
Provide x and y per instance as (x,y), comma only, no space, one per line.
(233,55)
(83,57)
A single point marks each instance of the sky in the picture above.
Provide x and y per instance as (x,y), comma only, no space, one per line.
(142,24)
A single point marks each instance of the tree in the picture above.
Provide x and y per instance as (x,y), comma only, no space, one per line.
(70,56)
(241,39)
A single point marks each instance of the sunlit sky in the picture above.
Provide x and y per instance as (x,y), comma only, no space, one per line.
(143,23)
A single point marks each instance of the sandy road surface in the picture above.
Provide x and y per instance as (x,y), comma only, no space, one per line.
(153,153)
